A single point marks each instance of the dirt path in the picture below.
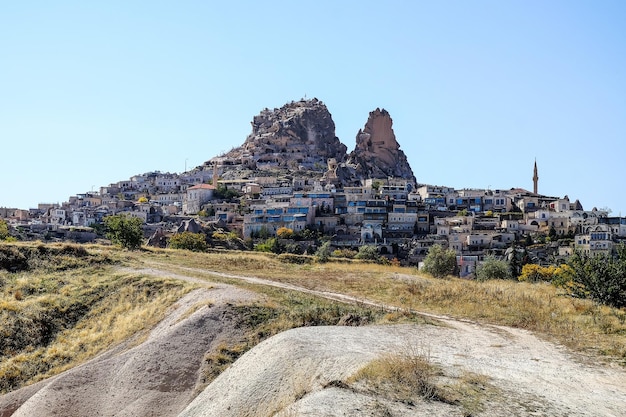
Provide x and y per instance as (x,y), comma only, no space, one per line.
(538,374)
(291,374)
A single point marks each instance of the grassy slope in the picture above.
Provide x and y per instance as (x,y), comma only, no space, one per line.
(69,308)
(582,325)
(73,304)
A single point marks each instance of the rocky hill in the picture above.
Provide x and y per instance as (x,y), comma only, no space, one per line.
(377,153)
(300,136)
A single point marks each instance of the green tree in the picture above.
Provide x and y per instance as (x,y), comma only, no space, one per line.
(323,252)
(4,230)
(190,241)
(270,245)
(528,240)
(492,268)
(224,193)
(124,231)
(440,262)
(552,233)
(600,277)
(368,252)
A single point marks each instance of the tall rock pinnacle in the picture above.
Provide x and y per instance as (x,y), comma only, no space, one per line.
(377,153)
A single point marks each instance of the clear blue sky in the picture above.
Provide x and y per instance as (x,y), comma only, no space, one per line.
(94,92)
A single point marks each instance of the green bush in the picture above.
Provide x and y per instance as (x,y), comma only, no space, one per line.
(4,230)
(492,268)
(189,241)
(124,231)
(322,254)
(440,262)
(272,245)
(601,277)
(368,252)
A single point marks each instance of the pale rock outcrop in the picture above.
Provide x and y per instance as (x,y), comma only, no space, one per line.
(377,153)
(299,135)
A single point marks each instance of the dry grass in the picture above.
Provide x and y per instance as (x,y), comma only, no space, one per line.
(579,324)
(410,377)
(283,310)
(88,307)
(51,320)
(405,377)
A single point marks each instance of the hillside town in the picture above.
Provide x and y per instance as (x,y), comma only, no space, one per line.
(400,218)
(293,173)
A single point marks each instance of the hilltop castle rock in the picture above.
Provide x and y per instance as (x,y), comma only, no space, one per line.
(377,153)
(298,136)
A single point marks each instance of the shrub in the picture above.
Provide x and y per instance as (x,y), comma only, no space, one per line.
(124,230)
(270,245)
(367,252)
(601,277)
(284,233)
(12,259)
(322,254)
(536,273)
(492,268)
(405,377)
(440,262)
(4,230)
(190,241)
(294,248)
(344,253)
(219,235)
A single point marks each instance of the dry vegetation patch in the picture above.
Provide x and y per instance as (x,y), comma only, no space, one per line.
(283,310)
(539,307)
(61,312)
(411,377)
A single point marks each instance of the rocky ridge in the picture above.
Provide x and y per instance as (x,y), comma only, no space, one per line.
(300,136)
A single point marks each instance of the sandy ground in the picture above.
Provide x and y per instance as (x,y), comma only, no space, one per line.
(291,374)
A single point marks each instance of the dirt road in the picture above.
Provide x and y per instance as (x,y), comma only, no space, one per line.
(293,373)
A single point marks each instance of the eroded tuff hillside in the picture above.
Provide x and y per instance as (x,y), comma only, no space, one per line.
(481,370)
(300,136)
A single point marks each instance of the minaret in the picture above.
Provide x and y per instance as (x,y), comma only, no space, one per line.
(535,179)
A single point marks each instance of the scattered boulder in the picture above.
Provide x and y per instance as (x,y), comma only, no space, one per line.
(158,239)
(189,226)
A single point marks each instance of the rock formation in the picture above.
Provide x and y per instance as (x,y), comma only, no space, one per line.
(298,136)
(377,153)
